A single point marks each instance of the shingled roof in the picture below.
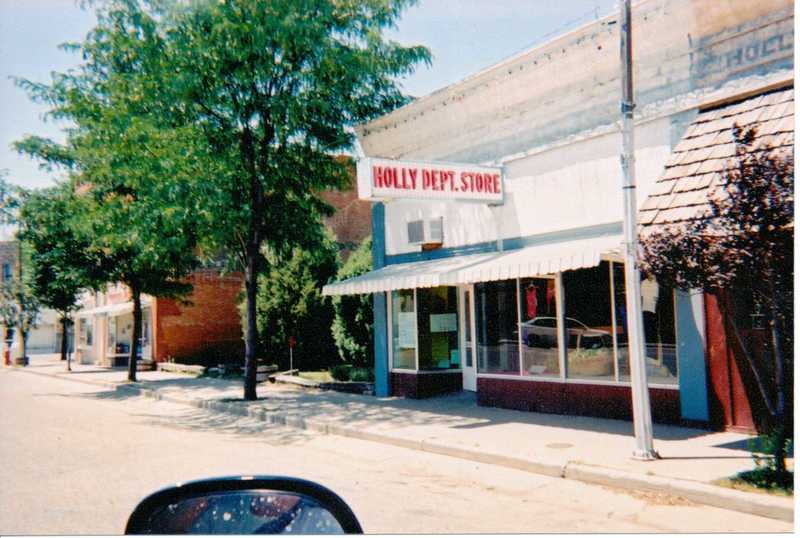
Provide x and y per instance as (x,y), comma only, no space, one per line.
(693,171)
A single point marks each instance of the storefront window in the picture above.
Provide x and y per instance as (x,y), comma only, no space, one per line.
(496,318)
(86,332)
(658,316)
(539,327)
(587,308)
(404,330)
(437,323)
(112,335)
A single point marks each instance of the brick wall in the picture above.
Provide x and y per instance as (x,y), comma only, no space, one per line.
(209,328)
(604,401)
(352,221)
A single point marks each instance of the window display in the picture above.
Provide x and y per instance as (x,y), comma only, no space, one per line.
(587,309)
(497,318)
(539,327)
(658,317)
(437,326)
(404,330)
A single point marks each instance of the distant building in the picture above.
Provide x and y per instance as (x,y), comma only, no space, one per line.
(204,328)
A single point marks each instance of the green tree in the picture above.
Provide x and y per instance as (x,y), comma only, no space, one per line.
(745,241)
(289,302)
(352,326)
(62,262)
(19,307)
(137,167)
(276,86)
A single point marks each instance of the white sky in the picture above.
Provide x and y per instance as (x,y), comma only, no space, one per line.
(464,36)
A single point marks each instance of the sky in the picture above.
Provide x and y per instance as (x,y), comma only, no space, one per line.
(465,36)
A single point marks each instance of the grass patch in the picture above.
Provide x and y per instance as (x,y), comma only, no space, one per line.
(320,377)
(760,481)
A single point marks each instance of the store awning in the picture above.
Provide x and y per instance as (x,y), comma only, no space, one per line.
(525,262)
(112,309)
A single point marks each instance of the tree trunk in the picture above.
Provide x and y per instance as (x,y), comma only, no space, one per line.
(776,332)
(251,331)
(24,346)
(137,332)
(64,324)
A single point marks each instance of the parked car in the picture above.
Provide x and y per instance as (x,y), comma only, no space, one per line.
(542,331)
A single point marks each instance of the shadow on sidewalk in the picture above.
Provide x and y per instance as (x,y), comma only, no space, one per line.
(243,428)
(457,411)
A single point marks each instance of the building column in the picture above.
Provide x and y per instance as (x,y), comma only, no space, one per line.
(690,329)
(380,328)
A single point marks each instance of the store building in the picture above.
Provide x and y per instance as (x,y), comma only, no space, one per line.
(205,327)
(521,299)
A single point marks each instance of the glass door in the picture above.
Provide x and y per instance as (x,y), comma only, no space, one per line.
(467,344)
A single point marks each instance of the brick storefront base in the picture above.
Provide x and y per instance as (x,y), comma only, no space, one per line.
(425,385)
(606,401)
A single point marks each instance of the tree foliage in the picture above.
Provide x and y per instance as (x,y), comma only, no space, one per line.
(275,87)
(63,263)
(352,326)
(19,306)
(135,163)
(743,242)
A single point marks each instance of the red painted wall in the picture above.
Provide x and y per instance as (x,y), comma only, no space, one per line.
(606,401)
(208,328)
(734,400)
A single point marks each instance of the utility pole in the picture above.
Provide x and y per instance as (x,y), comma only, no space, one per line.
(642,420)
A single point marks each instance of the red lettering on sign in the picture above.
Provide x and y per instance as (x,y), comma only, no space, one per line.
(496,181)
(412,172)
(464,183)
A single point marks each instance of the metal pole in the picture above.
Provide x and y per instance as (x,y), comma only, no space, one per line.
(642,421)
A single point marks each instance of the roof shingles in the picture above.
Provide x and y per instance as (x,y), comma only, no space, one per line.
(706,149)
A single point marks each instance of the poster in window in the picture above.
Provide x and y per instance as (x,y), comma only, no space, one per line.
(406,329)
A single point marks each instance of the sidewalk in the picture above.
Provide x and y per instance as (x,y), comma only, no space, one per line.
(583,448)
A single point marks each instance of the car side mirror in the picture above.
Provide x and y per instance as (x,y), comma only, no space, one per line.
(244,505)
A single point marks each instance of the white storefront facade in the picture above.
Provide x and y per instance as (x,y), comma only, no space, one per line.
(521,298)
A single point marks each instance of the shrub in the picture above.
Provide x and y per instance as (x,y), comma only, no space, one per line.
(289,302)
(341,372)
(352,322)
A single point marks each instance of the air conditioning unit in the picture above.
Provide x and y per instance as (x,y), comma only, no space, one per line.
(426,233)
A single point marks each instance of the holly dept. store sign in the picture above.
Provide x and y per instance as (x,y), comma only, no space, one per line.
(384,179)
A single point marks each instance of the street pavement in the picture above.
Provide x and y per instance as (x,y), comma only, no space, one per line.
(78,457)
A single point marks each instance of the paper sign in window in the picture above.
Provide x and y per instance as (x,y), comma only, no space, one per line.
(444,323)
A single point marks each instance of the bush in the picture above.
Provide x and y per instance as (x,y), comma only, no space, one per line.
(289,302)
(347,372)
(352,322)
(341,372)
(768,474)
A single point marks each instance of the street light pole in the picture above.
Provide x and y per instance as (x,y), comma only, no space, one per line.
(642,420)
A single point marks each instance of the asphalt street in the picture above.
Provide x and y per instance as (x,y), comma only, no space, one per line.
(77,458)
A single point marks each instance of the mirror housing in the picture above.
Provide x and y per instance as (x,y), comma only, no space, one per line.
(244,505)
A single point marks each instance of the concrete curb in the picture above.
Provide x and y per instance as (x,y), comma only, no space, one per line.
(702,493)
